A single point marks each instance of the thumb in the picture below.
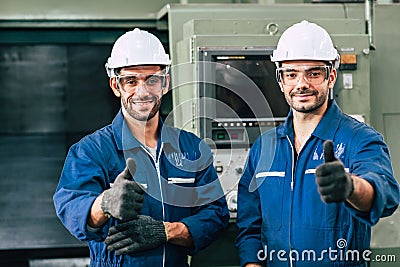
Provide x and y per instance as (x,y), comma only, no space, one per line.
(131,165)
(329,155)
(129,170)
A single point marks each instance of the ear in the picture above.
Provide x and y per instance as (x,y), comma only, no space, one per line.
(332,78)
(166,84)
(114,87)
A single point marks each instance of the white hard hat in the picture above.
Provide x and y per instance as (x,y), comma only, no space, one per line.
(305,41)
(134,48)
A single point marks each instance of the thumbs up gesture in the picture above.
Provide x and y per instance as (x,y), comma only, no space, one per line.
(334,183)
(124,200)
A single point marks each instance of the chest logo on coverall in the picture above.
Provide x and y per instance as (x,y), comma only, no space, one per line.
(339,150)
(178,157)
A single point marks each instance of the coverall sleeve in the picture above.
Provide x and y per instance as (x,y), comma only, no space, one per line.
(81,182)
(370,160)
(207,220)
(249,220)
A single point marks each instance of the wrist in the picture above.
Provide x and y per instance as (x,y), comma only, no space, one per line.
(166,227)
(351,186)
(178,234)
(102,206)
(97,217)
(363,195)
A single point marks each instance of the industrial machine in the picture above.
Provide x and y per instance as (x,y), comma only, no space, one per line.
(55,90)
(216,56)
(235,96)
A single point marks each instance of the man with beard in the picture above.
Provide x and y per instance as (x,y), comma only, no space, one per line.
(141,193)
(313,187)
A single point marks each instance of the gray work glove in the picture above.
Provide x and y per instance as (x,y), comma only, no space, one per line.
(124,199)
(136,235)
(334,183)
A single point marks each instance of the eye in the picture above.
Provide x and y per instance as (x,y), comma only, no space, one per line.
(314,74)
(129,81)
(290,75)
(153,80)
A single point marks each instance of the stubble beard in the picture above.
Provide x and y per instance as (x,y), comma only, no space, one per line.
(141,116)
(321,98)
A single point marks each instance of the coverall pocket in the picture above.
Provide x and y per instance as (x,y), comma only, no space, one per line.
(271,195)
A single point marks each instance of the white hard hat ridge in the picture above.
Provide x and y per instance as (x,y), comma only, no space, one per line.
(305,41)
(136,47)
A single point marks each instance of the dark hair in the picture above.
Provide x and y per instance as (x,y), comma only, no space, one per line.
(117,71)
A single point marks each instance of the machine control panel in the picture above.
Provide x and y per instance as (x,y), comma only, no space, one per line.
(229,164)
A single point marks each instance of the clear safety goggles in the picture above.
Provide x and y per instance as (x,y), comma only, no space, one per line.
(153,83)
(291,75)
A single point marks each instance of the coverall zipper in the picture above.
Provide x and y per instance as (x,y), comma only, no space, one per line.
(294,167)
(156,162)
(291,199)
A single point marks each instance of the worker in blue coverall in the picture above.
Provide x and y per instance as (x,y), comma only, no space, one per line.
(313,187)
(141,193)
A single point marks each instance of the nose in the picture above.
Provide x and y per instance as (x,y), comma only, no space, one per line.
(141,89)
(302,82)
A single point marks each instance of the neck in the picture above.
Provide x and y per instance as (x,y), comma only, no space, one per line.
(304,124)
(146,132)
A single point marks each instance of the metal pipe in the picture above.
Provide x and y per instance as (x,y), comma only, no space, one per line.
(368,23)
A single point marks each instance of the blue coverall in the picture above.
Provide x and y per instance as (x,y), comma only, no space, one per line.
(182,186)
(280,211)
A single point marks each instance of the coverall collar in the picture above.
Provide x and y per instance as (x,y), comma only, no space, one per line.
(126,141)
(325,129)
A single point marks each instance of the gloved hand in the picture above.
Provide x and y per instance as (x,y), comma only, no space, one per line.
(136,235)
(124,199)
(334,183)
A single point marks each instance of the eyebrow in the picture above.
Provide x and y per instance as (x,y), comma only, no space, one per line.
(290,69)
(293,69)
(142,74)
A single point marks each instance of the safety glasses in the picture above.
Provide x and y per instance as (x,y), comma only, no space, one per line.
(291,75)
(153,83)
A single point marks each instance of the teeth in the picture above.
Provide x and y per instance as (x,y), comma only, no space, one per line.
(141,102)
